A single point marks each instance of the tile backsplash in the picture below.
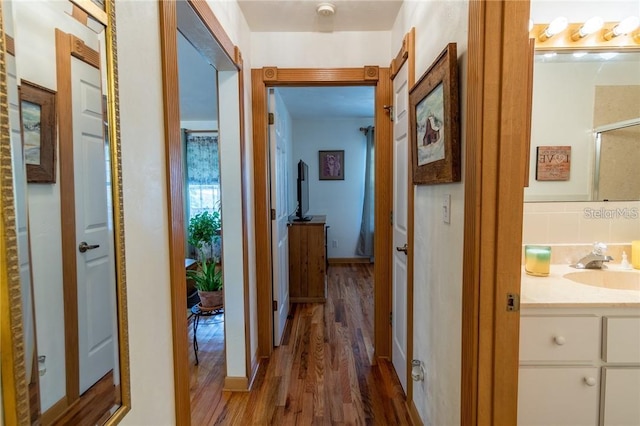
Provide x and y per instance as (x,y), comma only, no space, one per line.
(571,228)
(576,223)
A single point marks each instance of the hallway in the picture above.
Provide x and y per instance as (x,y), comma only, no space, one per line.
(322,372)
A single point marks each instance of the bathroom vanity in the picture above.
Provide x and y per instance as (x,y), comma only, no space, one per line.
(580,348)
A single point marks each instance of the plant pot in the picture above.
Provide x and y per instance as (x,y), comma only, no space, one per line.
(211,299)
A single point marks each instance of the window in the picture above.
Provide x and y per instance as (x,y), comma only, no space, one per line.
(203,172)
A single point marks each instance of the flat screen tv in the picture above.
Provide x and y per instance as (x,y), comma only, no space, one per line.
(302,192)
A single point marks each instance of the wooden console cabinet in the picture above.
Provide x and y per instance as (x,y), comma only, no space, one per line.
(307,261)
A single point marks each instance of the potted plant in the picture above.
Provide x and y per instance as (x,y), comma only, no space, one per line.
(204,236)
(207,280)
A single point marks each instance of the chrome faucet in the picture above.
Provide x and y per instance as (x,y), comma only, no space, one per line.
(595,259)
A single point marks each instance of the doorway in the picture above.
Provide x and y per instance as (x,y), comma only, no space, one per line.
(377,77)
(310,124)
(199,26)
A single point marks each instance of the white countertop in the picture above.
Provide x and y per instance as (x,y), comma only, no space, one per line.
(556,291)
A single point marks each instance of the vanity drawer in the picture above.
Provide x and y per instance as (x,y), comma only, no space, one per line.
(621,340)
(559,338)
(558,396)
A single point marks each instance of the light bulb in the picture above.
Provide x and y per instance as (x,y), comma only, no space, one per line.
(556,26)
(589,27)
(624,27)
(530,24)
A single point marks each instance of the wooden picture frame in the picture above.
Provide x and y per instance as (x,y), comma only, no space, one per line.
(434,122)
(38,132)
(331,165)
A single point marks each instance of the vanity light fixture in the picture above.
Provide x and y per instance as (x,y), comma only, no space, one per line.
(326,9)
(556,26)
(589,27)
(625,26)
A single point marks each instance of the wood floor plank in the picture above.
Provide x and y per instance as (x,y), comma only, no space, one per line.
(322,374)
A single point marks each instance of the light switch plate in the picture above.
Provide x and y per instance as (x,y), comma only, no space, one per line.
(446,208)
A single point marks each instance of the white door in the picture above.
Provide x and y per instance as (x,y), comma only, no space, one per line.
(95,266)
(400,183)
(279,232)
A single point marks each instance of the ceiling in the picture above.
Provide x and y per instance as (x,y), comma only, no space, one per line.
(328,102)
(300,15)
(198,92)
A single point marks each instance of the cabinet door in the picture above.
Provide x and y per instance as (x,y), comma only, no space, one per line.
(315,261)
(558,396)
(621,396)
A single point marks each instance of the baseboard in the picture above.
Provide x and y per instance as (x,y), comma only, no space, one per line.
(254,369)
(341,260)
(236,384)
(413,414)
(55,411)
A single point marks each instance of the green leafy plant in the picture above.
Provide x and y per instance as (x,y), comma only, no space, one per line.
(208,276)
(204,230)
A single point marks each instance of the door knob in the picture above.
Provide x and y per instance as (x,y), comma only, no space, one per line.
(402,249)
(83,247)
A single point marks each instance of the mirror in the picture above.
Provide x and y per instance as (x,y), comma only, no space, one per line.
(64,241)
(589,102)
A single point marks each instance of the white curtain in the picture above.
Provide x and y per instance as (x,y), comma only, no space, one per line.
(365,240)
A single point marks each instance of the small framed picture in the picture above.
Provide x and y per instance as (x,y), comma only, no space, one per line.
(434,122)
(331,165)
(38,123)
(554,163)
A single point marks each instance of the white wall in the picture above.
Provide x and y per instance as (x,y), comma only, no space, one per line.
(230,17)
(146,220)
(438,246)
(340,200)
(321,50)
(199,125)
(543,11)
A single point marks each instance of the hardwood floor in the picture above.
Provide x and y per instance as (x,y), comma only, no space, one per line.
(322,374)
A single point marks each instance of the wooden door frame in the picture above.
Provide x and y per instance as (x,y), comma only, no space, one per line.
(261,80)
(495,152)
(407,53)
(175,190)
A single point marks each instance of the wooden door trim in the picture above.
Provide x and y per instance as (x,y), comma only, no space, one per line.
(175,192)
(494,177)
(407,53)
(68,218)
(266,77)
(175,199)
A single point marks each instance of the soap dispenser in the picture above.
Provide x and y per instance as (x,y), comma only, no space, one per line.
(624,263)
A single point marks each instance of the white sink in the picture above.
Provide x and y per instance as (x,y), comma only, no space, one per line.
(617,280)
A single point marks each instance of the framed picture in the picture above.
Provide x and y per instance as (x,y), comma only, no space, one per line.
(38,124)
(554,163)
(434,122)
(331,165)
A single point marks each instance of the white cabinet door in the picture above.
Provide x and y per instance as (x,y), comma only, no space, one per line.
(558,396)
(621,397)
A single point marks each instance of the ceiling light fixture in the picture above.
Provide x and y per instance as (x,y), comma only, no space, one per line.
(624,27)
(556,26)
(326,9)
(589,27)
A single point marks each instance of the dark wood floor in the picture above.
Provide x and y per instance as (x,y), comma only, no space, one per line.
(321,374)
